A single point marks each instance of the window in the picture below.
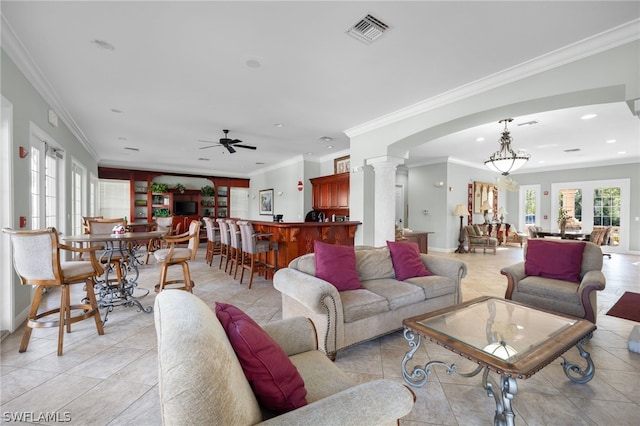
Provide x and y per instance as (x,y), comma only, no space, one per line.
(93,191)
(529,205)
(114,198)
(239,202)
(77,197)
(46,165)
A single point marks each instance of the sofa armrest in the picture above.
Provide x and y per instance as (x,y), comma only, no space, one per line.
(294,335)
(451,268)
(305,289)
(372,403)
(514,274)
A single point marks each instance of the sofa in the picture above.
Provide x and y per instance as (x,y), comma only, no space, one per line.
(345,318)
(202,382)
(561,276)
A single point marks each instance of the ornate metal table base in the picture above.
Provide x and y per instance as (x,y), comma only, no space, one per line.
(503,394)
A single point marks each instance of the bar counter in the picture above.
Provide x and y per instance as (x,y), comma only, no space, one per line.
(296,238)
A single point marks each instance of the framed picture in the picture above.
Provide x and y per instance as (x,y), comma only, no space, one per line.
(266,201)
(341,165)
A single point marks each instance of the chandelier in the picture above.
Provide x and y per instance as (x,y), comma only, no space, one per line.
(505,160)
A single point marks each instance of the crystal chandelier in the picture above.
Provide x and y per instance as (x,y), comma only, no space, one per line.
(505,160)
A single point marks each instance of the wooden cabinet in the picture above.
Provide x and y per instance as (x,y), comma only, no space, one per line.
(144,204)
(331,192)
(420,238)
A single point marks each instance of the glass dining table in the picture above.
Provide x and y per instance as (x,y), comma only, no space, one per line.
(119,250)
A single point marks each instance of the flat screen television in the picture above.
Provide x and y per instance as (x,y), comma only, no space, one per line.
(185,208)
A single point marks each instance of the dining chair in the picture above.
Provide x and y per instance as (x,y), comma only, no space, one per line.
(114,259)
(38,261)
(213,239)
(235,251)
(224,243)
(85,222)
(164,224)
(175,255)
(252,248)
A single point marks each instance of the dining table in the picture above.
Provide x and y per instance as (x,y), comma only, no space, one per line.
(118,250)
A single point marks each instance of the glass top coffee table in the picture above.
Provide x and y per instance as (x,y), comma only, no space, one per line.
(513,340)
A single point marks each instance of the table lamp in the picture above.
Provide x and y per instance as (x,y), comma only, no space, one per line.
(460,210)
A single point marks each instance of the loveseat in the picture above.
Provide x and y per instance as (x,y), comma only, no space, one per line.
(201,380)
(344,318)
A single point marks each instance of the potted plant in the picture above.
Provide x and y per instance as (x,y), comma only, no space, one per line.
(180,187)
(207,191)
(563,218)
(161,213)
(159,188)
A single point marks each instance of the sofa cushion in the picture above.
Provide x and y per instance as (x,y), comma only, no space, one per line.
(397,293)
(374,263)
(434,285)
(337,265)
(272,376)
(554,259)
(359,304)
(548,288)
(406,260)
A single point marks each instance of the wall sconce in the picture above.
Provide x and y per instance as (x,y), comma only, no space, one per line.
(300,186)
(23,152)
(280,193)
(439,184)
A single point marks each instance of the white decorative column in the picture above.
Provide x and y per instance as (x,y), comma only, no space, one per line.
(384,216)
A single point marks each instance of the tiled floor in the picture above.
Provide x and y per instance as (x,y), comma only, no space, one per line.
(112,379)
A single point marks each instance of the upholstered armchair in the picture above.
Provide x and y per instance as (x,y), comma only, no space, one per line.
(476,239)
(559,276)
(513,236)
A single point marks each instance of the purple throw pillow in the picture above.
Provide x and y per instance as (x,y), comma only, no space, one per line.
(406,260)
(554,259)
(274,379)
(337,265)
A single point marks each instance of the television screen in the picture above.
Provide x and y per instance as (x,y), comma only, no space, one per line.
(185,208)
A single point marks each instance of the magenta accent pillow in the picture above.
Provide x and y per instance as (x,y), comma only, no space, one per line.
(337,265)
(274,379)
(554,259)
(406,260)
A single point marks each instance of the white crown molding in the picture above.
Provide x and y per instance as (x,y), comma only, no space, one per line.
(13,47)
(291,161)
(606,40)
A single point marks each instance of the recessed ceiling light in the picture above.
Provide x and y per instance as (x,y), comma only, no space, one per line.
(102,44)
(252,62)
(116,111)
(203,159)
(329,146)
(309,153)
(622,152)
(589,116)
(611,141)
(259,163)
(122,139)
(541,162)
(480,139)
(326,139)
(278,125)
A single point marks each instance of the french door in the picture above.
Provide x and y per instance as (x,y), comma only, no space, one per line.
(46,181)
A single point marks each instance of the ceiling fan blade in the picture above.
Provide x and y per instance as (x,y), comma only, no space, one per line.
(205,141)
(230,149)
(246,146)
(207,147)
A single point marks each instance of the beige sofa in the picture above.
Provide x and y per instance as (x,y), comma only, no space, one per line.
(202,383)
(350,317)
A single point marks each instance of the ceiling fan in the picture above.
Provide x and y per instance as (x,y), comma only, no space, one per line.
(227,143)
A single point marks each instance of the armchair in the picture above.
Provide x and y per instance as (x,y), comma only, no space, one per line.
(573,298)
(513,236)
(476,239)
(201,380)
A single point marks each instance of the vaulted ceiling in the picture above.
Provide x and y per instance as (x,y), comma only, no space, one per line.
(142,84)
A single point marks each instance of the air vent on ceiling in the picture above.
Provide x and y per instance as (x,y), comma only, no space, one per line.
(529,123)
(128,148)
(367,29)
(572,150)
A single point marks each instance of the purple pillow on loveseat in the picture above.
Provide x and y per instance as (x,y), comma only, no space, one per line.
(406,260)
(554,259)
(337,265)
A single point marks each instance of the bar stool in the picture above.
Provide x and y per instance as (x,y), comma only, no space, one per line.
(252,247)
(224,243)
(213,240)
(235,251)
(174,255)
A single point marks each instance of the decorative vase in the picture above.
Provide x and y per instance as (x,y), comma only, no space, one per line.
(563,226)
